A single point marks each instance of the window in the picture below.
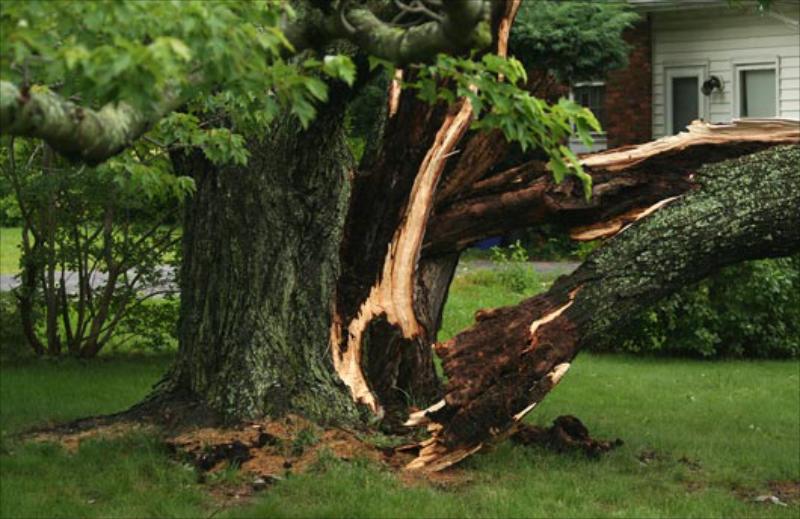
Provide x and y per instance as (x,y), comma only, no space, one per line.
(757,92)
(593,97)
(590,95)
(683,101)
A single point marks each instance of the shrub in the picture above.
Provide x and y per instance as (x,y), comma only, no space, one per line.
(152,326)
(747,310)
(514,271)
(93,244)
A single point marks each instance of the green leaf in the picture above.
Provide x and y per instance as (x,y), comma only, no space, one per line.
(340,67)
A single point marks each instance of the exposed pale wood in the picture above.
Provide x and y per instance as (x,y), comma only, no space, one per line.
(777,131)
(421,417)
(551,380)
(393,295)
(394,92)
(616,225)
(504,29)
(482,150)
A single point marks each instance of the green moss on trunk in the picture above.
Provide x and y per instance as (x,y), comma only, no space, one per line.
(260,265)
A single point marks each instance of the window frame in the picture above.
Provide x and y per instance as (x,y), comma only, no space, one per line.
(679,70)
(600,139)
(580,84)
(744,65)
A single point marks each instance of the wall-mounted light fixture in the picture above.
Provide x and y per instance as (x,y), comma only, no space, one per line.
(712,84)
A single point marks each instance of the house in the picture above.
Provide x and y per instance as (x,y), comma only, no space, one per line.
(698,59)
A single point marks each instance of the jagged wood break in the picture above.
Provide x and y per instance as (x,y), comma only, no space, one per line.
(499,369)
(380,332)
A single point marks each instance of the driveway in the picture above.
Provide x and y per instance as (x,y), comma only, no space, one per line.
(166,273)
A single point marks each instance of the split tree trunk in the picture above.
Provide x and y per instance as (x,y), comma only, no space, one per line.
(388,305)
(512,357)
(269,321)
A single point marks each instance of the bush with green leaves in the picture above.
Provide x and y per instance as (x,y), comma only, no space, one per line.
(748,310)
(514,271)
(93,249)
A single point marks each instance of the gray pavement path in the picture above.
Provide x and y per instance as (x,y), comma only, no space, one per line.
(9,281)
(165,273)
(542,267)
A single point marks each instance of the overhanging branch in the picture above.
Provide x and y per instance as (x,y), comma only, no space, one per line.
(78,133)
(457,28)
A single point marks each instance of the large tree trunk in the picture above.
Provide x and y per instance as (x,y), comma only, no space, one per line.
(269,323)
(261,261)
(511,358)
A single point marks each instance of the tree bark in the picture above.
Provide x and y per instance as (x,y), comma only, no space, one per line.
(260,249)
(499,369)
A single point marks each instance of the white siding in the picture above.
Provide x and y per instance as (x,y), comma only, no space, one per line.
(719,39)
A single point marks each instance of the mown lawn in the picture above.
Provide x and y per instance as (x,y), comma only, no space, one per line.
(699,438)
(9,250)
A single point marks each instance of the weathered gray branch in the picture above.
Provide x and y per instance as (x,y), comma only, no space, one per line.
(78,133)
(458,29)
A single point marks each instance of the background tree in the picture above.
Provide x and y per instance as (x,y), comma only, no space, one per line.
(561,43)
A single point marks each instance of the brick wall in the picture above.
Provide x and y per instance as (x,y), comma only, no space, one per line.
(629,92)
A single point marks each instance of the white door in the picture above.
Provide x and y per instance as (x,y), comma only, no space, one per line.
(684,101)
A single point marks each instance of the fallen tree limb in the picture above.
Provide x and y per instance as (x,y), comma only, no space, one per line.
(503,366)
(626,181)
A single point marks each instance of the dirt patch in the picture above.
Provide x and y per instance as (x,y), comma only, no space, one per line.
(781,493)
(278,449)
(238,461)
(787,491)
(71,440)
(270,450)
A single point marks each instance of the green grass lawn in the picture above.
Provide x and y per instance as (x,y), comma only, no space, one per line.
(9,250)
(710,432)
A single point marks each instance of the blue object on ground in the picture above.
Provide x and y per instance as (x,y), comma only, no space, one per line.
(488,243)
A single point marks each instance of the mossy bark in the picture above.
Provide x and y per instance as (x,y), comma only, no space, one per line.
(260,265)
